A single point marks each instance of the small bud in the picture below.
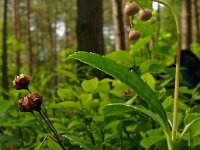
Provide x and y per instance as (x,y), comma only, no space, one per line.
(145,14)
(131,9)
(134,35)
(21,82)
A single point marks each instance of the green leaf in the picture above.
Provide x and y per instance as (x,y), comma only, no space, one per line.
(53,145)
(116,109)
(149,79)
(68,74)
(90,85)
(69,104)
(86,100)
(144,4)
(114,126)
(152,66)
(103,87)
(4,105)
(122,57)
(189,125)
(123,74)
(81,143)
(9,138)
(149,141)
(119,108)
(139,45)
(66,93)
(74,124)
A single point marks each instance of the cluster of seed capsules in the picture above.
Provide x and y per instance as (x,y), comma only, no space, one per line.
(32,101)
(144,14)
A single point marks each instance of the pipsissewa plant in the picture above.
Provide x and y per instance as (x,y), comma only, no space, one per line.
(33,102)
(141,88)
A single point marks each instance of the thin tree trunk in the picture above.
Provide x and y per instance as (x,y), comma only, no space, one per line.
(29,41)
(195,21)
(126,26)
(89,26)
(16,22)
(55,55)
(5,84)
(185,24)
(118,25)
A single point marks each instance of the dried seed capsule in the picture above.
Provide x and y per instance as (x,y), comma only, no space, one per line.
(21,106)
(30,102)
(25,105)
(21,82)
(36,99)
(131,9)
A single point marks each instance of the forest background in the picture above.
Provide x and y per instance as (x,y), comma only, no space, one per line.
(38,36)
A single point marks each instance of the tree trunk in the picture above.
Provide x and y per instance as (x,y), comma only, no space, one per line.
(90,26)
(185,24)
(55,55)
(5,84)
(89,29)
(195,21)
(126,26)
(16,23)
(118,25)
(29,41)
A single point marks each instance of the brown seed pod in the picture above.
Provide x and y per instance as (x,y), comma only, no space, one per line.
(131,9)
(21,106)
(134,35)
(25,105)
(30,102)
(36,99)
(145,14)
(21,82)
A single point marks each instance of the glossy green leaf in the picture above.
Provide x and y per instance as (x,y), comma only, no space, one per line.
(103,87)
(81,143)
(86,100)
(149,79)
(123,74)
(122,57)
(189,125)
(119,108)
(90,85)
(151,140)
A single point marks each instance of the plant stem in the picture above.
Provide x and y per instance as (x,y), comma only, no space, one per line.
(130,20)
(177,73)
(43,142)
(40,123)
(28,90)
(46,118)
(42,109)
